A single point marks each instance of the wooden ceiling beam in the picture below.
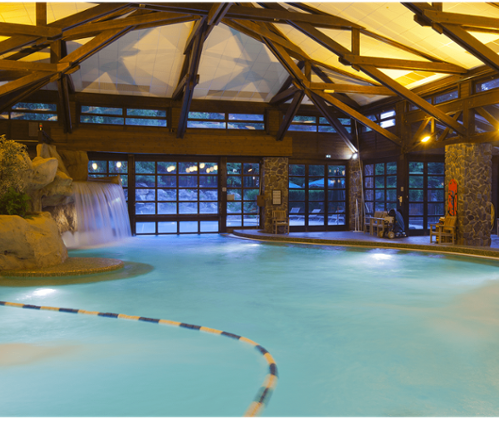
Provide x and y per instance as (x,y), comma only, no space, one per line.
(461,19)
(413,65)
(158,19)
(257,14)
(414,99)
(30,66)
(13,29)
(359,117)
(93,46)
(192,69)
(383,79)
(13,97)
(372,34)
(262,31)
(290,114)
(80,18)
(284,96)
(424,15)
(352,88)
(24,82)
(333,120)
(41,14)
(342,97)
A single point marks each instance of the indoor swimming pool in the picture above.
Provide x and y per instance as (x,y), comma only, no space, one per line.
(354,332)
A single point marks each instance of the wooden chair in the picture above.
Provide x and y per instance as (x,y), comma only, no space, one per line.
(444,233)
(376,221)
(279,218)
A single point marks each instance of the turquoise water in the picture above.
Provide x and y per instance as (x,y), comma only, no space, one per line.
(354,333)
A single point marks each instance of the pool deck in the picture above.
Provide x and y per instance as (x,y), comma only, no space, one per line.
(365,240)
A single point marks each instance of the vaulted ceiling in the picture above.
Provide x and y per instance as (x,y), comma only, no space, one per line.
(339,55)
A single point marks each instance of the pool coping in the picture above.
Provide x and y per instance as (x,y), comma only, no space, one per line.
(447,249)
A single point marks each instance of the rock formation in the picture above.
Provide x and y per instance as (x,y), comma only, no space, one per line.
(30,243)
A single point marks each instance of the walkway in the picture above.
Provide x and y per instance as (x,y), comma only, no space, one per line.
(361,239)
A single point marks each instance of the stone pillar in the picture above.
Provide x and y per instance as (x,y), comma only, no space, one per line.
(354,193)
(471,166)
(275,177)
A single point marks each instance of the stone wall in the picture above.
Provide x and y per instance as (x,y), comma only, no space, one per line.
(471,166)
(354,193)
(275,177)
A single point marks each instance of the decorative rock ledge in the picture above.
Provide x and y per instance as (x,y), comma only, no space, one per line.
(31,243)
(71,267)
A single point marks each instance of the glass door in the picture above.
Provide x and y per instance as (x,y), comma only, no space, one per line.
(426,195)
(317,197)
(174,197)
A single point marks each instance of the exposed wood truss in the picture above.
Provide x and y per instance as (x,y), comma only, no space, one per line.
(455,26)
(333,97)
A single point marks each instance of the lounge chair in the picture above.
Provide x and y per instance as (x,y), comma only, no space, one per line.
(315,215)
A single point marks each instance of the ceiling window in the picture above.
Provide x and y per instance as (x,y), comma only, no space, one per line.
(315,124)
(122,116)
(242,121)
(33,111)
(487,85)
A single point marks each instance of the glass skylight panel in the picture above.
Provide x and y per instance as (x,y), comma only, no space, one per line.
(34,111)
(102,110)
(487,85)
(206,116)
(246,117)
(304,119)
(387,114)
(446,97)
(387,123)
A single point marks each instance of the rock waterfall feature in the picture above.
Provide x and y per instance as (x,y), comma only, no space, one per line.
(101,215)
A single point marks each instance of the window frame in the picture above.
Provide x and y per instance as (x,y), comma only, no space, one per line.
(124,116)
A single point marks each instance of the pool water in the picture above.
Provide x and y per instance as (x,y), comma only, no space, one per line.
(354,332)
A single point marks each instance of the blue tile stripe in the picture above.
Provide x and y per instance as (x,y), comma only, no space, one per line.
(267,387)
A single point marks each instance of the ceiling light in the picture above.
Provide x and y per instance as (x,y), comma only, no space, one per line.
(425,139)
(354,156)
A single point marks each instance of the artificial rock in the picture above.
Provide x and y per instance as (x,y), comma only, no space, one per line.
(30,243)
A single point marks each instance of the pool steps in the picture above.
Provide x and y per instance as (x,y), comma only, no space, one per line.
(269,384)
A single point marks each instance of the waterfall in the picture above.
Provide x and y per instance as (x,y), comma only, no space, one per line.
(101,215)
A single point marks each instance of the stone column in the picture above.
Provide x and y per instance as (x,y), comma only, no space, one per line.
(471,166)
(354,193)
(275,177)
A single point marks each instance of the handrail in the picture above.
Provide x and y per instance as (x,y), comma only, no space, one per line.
(267,387)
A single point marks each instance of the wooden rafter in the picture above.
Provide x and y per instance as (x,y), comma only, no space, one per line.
(450,25)
(189,77)
(256,14)
(351,88)
(290,114)
(333,120)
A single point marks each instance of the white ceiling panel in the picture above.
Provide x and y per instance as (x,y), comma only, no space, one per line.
(235,66)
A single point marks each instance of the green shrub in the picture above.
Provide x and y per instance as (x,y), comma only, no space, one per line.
(14,164)
(13,202)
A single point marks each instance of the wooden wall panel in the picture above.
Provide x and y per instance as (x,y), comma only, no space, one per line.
(154,141)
